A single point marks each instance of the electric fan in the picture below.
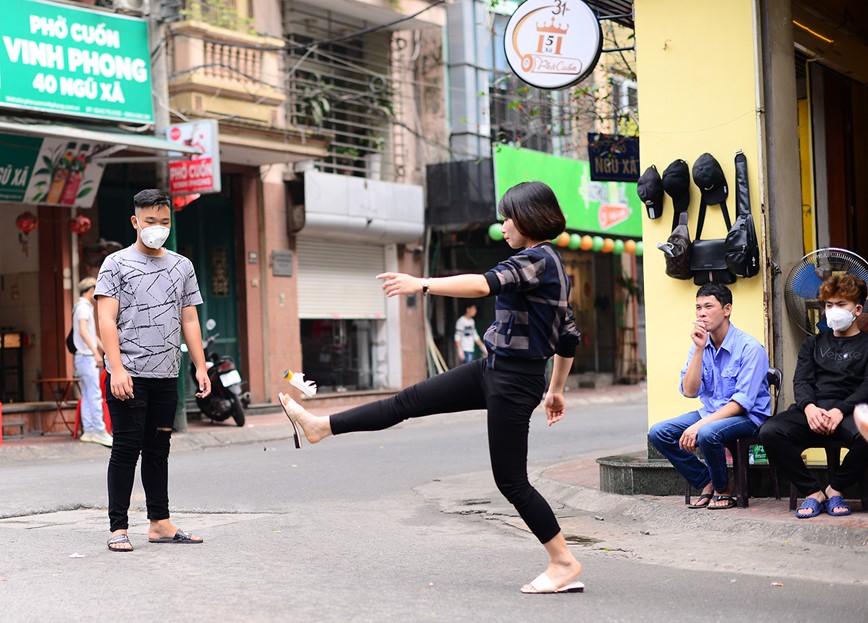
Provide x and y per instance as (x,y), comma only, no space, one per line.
(802,289)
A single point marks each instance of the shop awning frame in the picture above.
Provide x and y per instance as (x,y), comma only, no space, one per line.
(123,140)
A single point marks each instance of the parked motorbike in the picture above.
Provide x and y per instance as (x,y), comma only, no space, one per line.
(227,398)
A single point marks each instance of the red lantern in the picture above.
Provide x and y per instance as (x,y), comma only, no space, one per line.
(26,222)
(79,224)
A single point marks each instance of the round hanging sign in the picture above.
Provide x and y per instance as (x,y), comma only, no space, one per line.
(553,44)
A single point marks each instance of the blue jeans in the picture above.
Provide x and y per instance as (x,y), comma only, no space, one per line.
(91,394)
(711,439)
(468,356)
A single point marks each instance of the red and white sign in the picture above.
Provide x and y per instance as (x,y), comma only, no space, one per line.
(200,174)
(552,44)
(610,215)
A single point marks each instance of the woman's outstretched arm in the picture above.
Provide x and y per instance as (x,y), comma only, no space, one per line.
(459,286)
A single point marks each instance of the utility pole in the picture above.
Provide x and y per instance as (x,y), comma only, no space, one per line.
(159,12)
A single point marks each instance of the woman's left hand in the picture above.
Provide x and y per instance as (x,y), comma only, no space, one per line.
(400,283)
(555,407)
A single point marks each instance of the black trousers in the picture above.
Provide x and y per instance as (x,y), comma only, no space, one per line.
(786,435)
(509,397)
(135,430)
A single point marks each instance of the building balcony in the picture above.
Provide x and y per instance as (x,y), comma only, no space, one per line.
(217,72)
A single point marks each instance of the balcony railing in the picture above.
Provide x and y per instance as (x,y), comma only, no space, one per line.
(219,72)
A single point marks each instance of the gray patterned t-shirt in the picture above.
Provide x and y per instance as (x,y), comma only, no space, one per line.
(151,292)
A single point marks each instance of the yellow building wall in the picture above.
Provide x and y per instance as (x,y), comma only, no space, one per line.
(697,73)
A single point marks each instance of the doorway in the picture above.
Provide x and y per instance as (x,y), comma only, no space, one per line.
(205,232)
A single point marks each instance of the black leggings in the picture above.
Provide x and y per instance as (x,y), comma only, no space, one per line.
(509,397)
(136,424)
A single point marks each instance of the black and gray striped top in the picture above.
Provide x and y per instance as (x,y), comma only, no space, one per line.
(533,319)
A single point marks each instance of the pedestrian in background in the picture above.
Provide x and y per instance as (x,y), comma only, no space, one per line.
(88,364)
(146,297)
(466,336)
(533,322)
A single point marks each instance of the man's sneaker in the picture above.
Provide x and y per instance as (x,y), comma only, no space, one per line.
(86,436)
(103,438)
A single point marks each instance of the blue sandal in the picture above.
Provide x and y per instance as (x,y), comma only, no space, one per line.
(836,501)
(813,505)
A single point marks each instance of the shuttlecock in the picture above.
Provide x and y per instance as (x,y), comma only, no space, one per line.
(296,379)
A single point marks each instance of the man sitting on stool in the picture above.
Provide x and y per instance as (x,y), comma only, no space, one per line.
(727,370)
(830,380)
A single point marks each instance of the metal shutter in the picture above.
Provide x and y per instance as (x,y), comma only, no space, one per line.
(336,279)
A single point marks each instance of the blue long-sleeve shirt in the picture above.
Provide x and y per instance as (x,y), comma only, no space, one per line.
(533,319)
(737,371)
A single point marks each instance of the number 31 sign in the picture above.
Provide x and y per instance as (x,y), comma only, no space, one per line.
(553,44)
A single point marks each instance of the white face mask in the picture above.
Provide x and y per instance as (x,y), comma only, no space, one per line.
(154,236)
(839,319)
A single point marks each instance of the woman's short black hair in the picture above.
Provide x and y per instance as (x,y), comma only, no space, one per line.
(534,209)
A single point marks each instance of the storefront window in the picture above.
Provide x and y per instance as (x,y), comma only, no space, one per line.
(337,354)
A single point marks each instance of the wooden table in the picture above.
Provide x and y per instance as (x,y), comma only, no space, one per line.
(61,388)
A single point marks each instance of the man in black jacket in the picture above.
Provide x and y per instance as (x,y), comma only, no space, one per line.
(830,380)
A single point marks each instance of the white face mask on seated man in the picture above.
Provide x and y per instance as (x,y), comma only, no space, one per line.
(839,319)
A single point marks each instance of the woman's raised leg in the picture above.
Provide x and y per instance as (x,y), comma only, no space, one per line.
(459,389)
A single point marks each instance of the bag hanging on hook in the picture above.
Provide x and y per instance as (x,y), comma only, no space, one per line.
(708,257)
(742,245)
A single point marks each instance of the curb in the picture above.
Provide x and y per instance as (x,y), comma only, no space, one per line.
(639,508)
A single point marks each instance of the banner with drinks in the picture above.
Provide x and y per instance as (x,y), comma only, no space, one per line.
(51,171)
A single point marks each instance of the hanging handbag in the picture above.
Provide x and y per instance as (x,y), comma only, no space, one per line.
(742,245)
(676,250)
(708,257)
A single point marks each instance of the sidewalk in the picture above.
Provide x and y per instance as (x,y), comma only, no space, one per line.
(575,484)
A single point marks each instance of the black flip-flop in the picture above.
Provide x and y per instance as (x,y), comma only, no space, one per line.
(730,502)
(119,539)
(180,537)
(702,496)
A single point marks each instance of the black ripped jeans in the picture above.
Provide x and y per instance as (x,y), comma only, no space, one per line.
(509,397)
(136,424)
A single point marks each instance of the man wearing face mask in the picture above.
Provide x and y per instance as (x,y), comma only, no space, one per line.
(146,301)
(830,380)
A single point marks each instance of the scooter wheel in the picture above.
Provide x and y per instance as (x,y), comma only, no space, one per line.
(237,410)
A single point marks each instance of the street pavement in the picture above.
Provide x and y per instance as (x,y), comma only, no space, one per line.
(760,555)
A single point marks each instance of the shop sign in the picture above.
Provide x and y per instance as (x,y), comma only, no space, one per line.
(595,207)
(553,44)
(50,171)
(613,158)
(71,61)
(200,174)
